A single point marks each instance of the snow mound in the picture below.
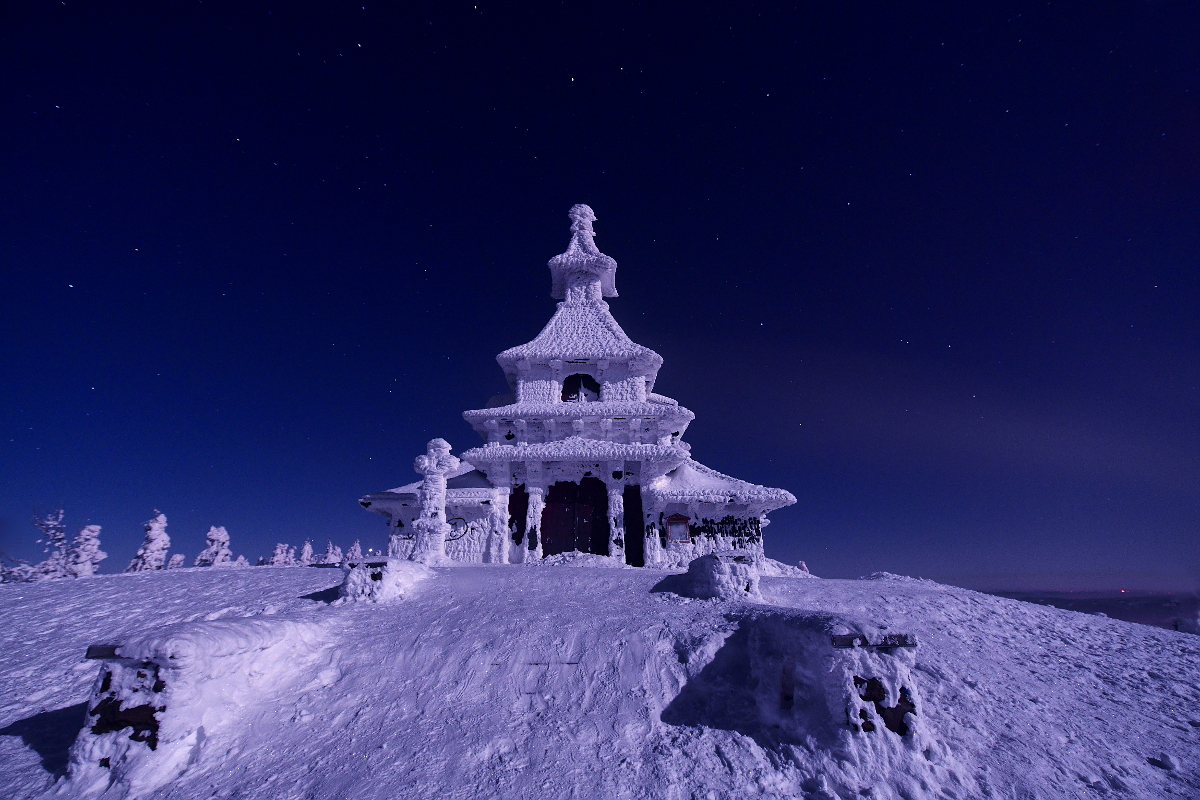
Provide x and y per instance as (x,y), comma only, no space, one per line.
(889,576)
(577,559)
(395,580)
(770,568)
(727,575)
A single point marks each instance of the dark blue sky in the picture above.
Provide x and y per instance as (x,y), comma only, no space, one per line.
(931,269)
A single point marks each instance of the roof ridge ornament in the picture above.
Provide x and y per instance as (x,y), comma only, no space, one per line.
(582,274)
(583,235)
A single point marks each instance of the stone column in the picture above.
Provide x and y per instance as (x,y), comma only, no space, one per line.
(500,537)
(652,545)
(430,527)
(615,483)
(537,488)
(616,520)
(533,523)
(396,542)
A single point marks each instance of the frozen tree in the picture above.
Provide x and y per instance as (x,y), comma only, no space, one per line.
(240,561)
(54,537)
(262,561)
(153,551)
(176,561)
(15,571)
(283,556)
(355,552)
(85,554)
(306,554)
(217,552)
(333,554)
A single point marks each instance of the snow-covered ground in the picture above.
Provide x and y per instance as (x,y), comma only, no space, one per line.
(1176,611)
(564,682)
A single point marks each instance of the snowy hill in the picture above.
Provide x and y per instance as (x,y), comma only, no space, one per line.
(560,682)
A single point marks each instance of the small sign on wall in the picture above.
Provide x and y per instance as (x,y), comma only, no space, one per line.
(677,530)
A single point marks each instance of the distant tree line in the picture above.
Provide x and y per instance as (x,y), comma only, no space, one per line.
(81,556)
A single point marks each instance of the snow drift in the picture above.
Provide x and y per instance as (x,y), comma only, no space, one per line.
(506,681)
(147,716)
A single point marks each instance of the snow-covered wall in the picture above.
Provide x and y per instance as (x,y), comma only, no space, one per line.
(152,706)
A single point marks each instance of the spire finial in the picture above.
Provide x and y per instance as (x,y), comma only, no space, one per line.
(582,218)
(582,266)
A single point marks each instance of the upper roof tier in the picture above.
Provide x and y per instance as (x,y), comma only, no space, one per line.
(585,331)
(582,327)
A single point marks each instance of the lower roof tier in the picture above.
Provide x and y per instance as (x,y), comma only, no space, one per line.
(667,476)
(660,458)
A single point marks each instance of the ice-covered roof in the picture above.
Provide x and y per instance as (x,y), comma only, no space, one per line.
(582,327)
(465,476)
(692,481)
(577,448)
(586,330)
(465,480)
(600,408)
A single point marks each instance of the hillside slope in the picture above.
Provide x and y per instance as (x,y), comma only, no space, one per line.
(512,681)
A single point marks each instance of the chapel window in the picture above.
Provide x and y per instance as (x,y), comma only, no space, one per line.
(580,388)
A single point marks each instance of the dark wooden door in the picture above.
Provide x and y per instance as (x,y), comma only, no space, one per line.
(635,527)
(576,518)
(558,518)
(584,514)
(518,509)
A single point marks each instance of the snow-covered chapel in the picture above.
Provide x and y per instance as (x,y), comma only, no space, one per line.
(583,456)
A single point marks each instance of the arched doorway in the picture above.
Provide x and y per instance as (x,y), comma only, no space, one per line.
(576,518)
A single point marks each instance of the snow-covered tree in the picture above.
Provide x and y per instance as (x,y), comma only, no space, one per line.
(54,538)
(153,551)
(306,554)
(85,554)
(283,556)
(217,552)
(15,571)
(176,561)
(240,561)
(333,554)
(355,552)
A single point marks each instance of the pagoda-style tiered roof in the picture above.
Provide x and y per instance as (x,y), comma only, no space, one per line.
(582,456)
(582,331)
(691,481)
(576,448)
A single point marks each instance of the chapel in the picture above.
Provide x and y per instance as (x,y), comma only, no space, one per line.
(583,456)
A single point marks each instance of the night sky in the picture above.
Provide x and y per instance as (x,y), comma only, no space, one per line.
(930,267)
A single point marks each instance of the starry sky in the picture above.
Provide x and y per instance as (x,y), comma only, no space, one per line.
(930,267)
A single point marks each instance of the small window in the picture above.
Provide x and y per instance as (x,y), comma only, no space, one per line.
(677,530)
(580,388)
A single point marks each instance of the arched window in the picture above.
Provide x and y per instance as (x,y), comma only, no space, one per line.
(580,388)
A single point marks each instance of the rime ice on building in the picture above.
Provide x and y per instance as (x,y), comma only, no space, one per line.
(583,456)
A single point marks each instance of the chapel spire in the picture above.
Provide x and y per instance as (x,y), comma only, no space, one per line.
(582,274)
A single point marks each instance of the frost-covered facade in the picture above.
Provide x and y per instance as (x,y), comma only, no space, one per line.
(583,455)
